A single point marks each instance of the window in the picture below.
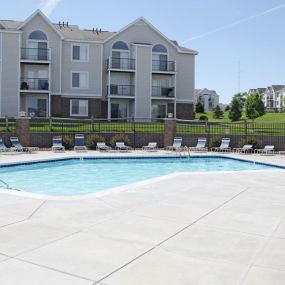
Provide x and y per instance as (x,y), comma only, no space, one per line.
(79,80)
(120,45)
(38,36)
(159,48)
(36,107)
(119,110)
(80,53)
(78,107)
(158,111)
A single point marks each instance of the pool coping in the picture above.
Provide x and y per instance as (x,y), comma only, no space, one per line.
(128,187)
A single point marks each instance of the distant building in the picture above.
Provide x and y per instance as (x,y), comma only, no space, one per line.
(209,98)
(272,96)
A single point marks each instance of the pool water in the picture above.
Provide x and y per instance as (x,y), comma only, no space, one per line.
(84,176)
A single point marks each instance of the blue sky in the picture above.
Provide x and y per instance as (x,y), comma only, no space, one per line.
(259,42)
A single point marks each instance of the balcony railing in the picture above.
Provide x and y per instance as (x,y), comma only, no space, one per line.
(122,90)
(163,65)
(37,54)
(40,84)
(121,63)
(158,91)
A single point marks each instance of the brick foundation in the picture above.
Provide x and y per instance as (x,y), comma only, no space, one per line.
(184,111)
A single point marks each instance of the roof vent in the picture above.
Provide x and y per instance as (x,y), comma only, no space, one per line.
(67,24)
(63,23)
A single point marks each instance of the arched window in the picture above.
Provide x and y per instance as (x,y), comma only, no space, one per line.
(120,45)
(120,56)
(38,36)
(159,48)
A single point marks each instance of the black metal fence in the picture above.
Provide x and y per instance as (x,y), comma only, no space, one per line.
(239,133)
(142,131)
(7,129)
(139,131)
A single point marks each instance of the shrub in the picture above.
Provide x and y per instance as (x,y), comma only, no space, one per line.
(199,107)
(250,140)
(91,141)
(227,108)
(218,113)
(67,142)
(215,142)
(119,138)
(203,118)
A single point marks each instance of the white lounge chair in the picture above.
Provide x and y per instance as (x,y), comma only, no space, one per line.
(152,146)
(201,145)
(3,147)
(101,146)
(120,146)
(79,144)
(268,149)
(177,144)
(247,148)
(224,147)
(16,146)
(57,144)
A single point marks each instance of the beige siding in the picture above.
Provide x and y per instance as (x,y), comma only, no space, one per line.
(93,67)
(143,82)
(10,76)
(185,79)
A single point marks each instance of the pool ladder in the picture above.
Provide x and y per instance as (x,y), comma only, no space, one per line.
(7,185)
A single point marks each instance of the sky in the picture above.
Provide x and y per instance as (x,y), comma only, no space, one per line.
(226,33)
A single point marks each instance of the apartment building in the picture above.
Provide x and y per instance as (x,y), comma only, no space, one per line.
(272,96)
(209,98)
(49,69)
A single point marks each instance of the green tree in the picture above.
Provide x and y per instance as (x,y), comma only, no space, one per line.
(227,108)
(218,113)
(241,98)
(254,106)
(199,107)
(235,112)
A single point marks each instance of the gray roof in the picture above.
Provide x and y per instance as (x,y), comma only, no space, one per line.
(10,24)
(73,32)
(183,48)
(277,87)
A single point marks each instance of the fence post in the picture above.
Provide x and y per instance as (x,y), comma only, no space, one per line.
(23,130)
(169,131)
(207,126)
(245,130)
(134,134)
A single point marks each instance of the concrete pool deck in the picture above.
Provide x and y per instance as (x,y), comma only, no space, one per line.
(191,228)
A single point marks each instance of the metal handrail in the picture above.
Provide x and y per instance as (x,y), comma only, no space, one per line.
(6,184)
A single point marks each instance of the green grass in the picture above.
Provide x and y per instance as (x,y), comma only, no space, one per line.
(267,118)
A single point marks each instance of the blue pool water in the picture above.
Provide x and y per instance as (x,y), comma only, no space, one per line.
(79,177)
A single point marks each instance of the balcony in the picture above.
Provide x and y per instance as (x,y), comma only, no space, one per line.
(163,66)
(121,90)
(34,84)
(126,64)
(35,55)
(162,92)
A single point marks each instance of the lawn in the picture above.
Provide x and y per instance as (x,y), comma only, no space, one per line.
(267,118)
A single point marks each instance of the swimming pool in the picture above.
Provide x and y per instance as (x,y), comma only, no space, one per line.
(76,176)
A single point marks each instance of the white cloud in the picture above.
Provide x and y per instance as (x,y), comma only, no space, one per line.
(47,6)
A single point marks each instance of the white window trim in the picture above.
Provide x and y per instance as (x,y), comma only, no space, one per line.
(80,72)
(78,115)
(80,45)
